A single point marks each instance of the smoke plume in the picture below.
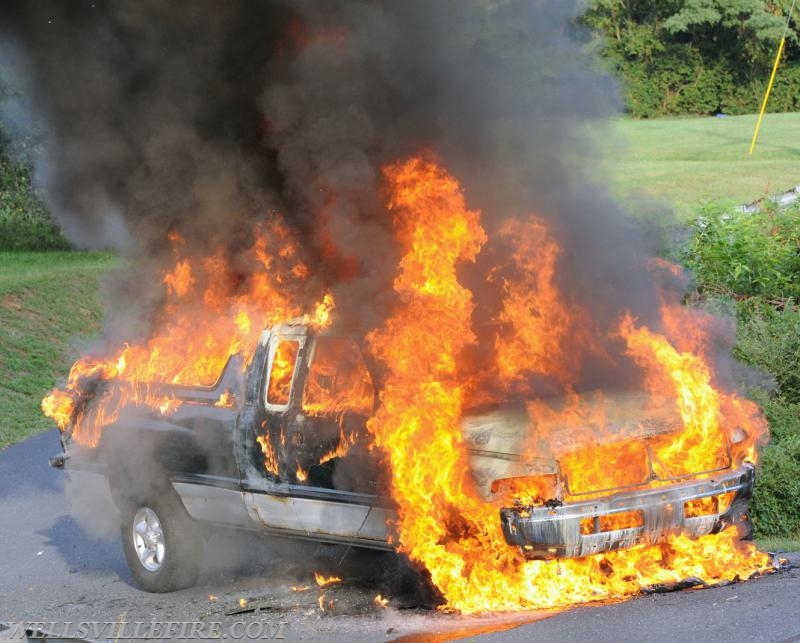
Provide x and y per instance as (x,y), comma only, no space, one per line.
(203,118)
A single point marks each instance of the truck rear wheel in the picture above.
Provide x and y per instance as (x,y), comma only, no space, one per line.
(161,543)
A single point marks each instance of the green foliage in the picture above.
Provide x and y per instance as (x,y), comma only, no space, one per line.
(755,259)
(747,255)
(696,56)
(770,340)
(776,502)
(25,223)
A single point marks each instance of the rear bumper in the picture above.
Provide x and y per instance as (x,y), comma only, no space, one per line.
(555,532)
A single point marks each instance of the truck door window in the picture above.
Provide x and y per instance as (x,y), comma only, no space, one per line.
(281,371)
(338,379)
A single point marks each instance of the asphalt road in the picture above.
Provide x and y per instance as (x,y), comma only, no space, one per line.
(57,565)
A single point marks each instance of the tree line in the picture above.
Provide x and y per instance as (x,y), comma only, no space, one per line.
(697,57)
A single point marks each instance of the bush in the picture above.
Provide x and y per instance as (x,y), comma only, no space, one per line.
(754,259)
(678,86)
(770,339)
(747,255)
(25,224)
(776,511)
(776,501)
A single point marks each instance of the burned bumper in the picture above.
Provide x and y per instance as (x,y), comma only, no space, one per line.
(649,516)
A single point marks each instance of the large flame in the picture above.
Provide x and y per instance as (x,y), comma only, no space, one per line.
(208,316)
(443,522)
(545,332)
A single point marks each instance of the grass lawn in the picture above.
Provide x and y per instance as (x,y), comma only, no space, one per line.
(692,161)
(779,544)
(49,304)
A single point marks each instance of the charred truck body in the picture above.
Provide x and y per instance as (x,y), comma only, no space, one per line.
(281,446)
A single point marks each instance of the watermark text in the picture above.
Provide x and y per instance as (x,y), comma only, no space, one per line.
(150,630)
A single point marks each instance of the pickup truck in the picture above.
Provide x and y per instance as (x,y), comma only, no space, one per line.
(280,445)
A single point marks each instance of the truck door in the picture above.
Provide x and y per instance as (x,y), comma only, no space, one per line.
(278,400)
(295,495)
(317,396)
(338,398)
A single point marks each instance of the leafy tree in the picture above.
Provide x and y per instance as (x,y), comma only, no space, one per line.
(25,223)
(696,56)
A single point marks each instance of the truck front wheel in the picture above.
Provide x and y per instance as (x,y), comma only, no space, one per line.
(161,543)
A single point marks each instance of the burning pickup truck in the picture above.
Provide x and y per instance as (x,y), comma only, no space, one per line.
(457,429)
(282,446)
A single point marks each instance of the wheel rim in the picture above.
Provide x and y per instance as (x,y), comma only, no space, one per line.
(148,539)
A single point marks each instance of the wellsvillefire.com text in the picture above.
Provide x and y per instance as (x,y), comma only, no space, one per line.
(148,630)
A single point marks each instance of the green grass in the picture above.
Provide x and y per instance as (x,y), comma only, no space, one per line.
(50,303)
(690,162)
(779,544)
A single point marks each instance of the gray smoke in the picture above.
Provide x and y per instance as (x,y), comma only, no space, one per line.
(202,117)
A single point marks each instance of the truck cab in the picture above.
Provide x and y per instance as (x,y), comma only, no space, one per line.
(280,445)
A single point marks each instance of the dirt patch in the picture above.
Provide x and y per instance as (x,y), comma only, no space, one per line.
(12,301)
(15,305)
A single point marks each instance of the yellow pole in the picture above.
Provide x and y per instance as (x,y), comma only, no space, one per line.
(766,95)
(772,77)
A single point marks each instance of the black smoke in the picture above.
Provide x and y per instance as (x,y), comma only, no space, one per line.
(203,117)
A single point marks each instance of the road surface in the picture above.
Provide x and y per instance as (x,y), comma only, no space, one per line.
(59,566)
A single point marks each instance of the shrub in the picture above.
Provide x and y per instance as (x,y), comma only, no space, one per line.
(747,255)
(697,57)
(25,223)
(754,260)
(776,501)
(770,339)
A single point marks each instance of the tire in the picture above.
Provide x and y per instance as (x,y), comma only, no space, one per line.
(161,542)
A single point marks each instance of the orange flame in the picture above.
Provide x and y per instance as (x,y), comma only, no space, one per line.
(281,372)
(59,406)
(442,521)
(227,399)
(688,422)
(270,458)
(323,581)
(341,449)
(338,381)
(544,333)
(209,315)
(322,313)
(302,474)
